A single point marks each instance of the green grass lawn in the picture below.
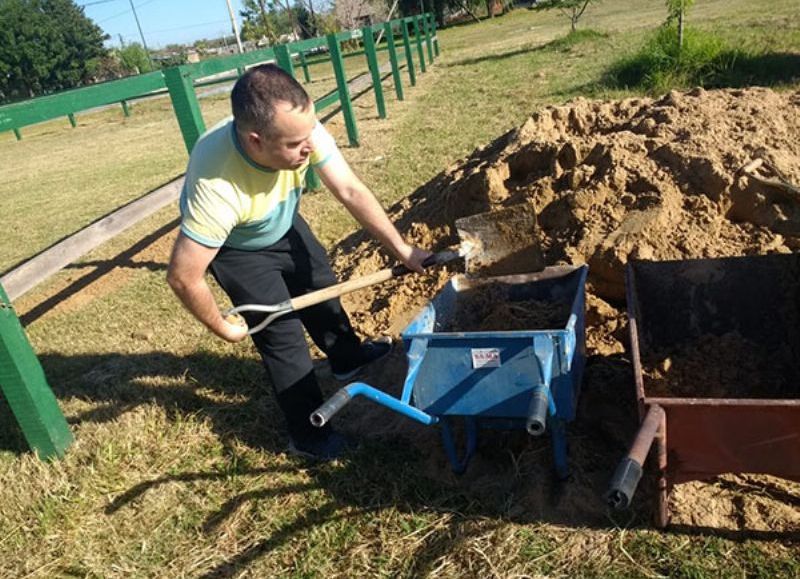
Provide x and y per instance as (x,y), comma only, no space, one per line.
(178,469)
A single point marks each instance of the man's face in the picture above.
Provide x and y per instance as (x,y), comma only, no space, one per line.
(289,143)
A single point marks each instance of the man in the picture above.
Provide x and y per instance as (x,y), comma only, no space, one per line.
(239,216)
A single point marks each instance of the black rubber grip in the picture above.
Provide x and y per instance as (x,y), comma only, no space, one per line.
(623,483)
(434,259)
(537,413)
(334,404)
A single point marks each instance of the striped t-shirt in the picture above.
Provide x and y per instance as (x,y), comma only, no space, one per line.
(227,199)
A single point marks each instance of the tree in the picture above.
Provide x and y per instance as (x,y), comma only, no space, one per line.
(573,9)
(134,58)
(262,20)
(676,10)
(46,46)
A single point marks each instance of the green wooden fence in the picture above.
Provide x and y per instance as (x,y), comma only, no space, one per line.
(181,82)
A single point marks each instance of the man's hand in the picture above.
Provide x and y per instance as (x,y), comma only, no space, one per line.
(412,257)
(233,329)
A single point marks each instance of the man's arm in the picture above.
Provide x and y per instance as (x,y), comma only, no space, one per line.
(337,176)
(186,277)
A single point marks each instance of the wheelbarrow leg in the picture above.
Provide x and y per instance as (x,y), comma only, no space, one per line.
(558,433)
(448,441)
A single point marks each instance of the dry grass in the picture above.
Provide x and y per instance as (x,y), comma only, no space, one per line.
(178,469)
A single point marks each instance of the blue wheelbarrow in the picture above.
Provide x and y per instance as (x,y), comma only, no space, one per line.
(521,379)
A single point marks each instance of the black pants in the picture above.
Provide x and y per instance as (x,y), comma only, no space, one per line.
(293,266)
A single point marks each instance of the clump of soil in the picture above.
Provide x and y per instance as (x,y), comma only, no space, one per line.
(726,366)
(488,308)
(638,178)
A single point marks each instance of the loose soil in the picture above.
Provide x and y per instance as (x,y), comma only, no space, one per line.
(488,308)
(726,366)
(639,178)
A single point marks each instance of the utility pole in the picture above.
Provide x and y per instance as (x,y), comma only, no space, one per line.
(139,26)
(235,27)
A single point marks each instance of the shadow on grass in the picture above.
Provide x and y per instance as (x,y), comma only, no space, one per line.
(562,44)
(101,268)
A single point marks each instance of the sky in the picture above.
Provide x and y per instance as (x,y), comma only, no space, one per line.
(163,21)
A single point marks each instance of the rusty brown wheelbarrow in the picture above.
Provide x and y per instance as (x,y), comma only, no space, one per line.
(494,243)
(715,345)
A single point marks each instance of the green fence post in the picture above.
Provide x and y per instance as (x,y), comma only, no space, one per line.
(374,69)
(435,35)
(335,52)
(72,121)
(284,58)
(398,87)
(25,388)
(125,110)
(407,49)
(184,102)
(18,134)
(418,39)
(304,64)
(426,23)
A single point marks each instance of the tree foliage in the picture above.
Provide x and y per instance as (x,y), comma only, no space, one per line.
(46,46)
(134,58)
(573,9)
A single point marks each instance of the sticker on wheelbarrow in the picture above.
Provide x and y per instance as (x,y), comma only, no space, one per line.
(485,357)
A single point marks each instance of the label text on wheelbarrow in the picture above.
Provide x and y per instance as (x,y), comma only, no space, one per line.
(485,357)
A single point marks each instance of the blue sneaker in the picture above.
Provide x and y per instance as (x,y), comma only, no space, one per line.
(371,351)
(330,447)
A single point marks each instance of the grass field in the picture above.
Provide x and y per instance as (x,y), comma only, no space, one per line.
(178,469)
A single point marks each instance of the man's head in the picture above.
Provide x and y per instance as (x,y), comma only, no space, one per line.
(274,117)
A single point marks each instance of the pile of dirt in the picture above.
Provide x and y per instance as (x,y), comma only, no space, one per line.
(639,178)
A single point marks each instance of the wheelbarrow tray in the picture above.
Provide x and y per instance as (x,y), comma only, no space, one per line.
(491,374)
(676,302)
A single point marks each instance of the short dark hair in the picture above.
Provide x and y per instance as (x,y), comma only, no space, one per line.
(255,93)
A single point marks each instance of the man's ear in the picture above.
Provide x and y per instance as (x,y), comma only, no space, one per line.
(254,139)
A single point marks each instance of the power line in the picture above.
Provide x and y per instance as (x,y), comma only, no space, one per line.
(96,2)
(128,11)
(185,27)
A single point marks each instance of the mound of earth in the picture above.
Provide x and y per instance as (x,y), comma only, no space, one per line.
(689,175)
(637,178)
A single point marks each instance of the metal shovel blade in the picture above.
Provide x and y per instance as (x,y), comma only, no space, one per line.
(502,242)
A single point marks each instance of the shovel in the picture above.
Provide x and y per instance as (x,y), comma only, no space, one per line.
(500,242)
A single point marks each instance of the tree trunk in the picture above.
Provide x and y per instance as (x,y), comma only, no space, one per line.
(575,19)
(680,29)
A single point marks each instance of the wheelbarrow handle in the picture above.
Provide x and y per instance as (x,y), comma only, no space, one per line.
(629,471)
(322,415)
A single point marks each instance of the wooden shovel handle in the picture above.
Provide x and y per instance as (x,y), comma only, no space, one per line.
(334,291)
(340,289)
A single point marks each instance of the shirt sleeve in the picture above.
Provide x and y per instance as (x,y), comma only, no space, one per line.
(207,214)
(324,146)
